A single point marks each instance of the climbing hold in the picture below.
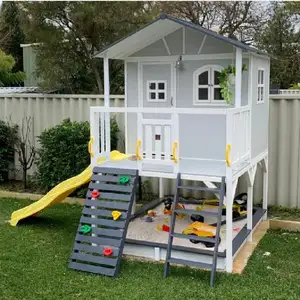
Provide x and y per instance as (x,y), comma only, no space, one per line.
(151,213)
(116,214)
(107,251)
(85,229)
(124,179)
(95,194)
(148,219)
(165,228)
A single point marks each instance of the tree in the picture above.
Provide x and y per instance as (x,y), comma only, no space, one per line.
(11,34)
(235,19)
(23,147)
(280,39)
(7,76)
(203,13)
(70,33)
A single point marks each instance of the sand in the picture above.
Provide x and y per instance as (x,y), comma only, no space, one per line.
(139,229)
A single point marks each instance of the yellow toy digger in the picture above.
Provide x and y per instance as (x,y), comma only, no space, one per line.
(239,207)
(201,229)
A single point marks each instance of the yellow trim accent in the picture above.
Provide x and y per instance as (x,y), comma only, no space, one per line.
(175,158)
(228,161)
(137,148)
(90,147)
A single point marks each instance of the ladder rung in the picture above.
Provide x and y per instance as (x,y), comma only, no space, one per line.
(198,188)
(189,263)
(194,237)
(196,212)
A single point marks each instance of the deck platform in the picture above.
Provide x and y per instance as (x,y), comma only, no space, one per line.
(199,170)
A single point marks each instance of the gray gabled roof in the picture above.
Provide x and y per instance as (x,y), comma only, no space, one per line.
(167,28)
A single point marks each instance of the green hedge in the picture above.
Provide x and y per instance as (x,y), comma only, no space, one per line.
(7,134)
(63,153)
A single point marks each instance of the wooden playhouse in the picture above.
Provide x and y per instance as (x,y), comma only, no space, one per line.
(191,118)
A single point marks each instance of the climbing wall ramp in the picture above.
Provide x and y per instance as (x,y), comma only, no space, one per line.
(101,233)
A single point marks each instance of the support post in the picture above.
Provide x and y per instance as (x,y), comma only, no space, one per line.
(161,188)
(106,104)
(229,194)
(250,206)
(265,187)
(238,77)
(265,195)
(229,202)
(140,188)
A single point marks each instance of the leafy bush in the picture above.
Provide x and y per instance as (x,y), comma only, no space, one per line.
(295,86)
(7,134)
(7,76)
(63,153)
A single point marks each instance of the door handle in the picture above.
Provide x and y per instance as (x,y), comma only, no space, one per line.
(171,101)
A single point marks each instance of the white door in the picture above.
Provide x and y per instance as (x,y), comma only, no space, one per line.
(159,147)
(157,85)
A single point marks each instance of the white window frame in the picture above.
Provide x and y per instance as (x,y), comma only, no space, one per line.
(156,91)
(210,86)
(261,86)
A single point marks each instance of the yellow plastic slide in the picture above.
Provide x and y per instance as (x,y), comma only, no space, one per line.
(60,192)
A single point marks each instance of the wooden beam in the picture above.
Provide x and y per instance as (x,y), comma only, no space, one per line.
(166,45)
(249,210)
(106,81)
(106,104)
(229,228)
(183,40)
(238,77)
(202,44)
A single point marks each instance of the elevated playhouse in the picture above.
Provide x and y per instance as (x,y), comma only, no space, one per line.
(196,118)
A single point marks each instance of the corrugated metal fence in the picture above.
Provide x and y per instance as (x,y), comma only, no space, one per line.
(284,150)
(48,110)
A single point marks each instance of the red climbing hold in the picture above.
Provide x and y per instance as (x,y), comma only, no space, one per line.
(95,194)
(165,228)
(107,251)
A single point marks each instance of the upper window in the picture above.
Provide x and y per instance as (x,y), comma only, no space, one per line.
(260,86)
(157,91)
(207,85)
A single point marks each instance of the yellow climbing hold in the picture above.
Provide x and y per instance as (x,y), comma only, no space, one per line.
(116,215)
(159,227)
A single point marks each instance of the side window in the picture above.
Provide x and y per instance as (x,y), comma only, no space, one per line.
(207,85)
(217,96)
(203,86)
(156,91)
(260,86)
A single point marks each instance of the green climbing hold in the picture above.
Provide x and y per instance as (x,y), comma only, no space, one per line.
(85,229)
(124,179)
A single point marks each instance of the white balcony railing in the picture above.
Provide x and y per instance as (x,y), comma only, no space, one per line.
(200,138)
(238,134)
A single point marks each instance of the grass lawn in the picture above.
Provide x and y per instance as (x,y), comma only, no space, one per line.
(34,258)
